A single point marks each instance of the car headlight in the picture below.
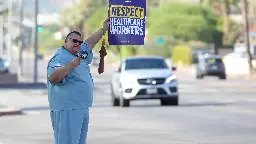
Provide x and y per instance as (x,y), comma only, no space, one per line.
(171,78)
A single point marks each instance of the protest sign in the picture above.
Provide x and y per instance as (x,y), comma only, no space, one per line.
(127,22)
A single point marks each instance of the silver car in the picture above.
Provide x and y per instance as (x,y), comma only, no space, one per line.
(146,77)
(4,65)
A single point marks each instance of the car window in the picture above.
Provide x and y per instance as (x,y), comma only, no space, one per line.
(145,64)
(213,60)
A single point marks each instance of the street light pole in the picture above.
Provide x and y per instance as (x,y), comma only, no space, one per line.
(36,43)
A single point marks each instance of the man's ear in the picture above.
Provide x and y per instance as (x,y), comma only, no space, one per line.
(65,44)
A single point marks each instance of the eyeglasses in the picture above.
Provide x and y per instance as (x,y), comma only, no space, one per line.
(75,41)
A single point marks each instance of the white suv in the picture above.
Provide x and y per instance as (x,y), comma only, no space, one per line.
(146,77)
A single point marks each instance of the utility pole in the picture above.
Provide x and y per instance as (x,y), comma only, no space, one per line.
(9,50)
(21,43)
(246,32)
(36,43)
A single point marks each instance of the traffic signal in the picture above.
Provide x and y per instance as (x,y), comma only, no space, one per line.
(40,29)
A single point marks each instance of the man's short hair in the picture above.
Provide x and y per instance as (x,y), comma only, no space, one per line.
(73,32)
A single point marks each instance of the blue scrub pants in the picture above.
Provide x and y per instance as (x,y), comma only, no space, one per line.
(70,126)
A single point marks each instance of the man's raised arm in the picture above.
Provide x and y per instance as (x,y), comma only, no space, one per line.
(95,37)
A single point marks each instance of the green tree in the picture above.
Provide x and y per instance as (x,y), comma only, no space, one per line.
(183,22)
(153,3)
(222,9)
(47,42)
(77,15)
(182,55)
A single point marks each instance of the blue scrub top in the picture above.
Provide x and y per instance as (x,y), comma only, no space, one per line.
(75,91)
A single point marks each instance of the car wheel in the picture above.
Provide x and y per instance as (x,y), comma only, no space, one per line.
(124,102)
(223,77)
(6,71)
(114,100)
(170,101)
(199,76)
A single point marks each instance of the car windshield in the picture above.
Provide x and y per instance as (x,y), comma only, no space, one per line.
(213,60)
(145,64)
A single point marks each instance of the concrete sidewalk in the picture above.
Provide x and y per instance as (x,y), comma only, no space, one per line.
(15,101)
(12,96)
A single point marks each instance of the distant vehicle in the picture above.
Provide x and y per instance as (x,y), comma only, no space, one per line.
(4,65)
(210,65)
(199,53)
(146,77)
(96,59)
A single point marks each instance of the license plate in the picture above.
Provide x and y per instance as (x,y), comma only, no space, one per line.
(151,91)
(214,68)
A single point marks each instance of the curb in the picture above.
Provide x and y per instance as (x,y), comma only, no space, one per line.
(23,86)
(10,111)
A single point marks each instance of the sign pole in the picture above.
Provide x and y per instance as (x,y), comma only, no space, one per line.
(36,43)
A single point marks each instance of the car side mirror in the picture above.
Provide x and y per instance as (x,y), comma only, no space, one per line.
(118,70)
(174,68)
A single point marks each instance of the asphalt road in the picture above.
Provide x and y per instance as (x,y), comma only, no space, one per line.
(210,112)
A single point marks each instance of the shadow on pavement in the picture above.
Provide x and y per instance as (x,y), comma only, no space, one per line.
(107,105)
(199,104)
(205,104)
(35,108)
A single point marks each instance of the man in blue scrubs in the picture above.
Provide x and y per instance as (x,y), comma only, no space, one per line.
(70,87)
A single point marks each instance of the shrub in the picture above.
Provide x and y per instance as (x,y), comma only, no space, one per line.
(181,54)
